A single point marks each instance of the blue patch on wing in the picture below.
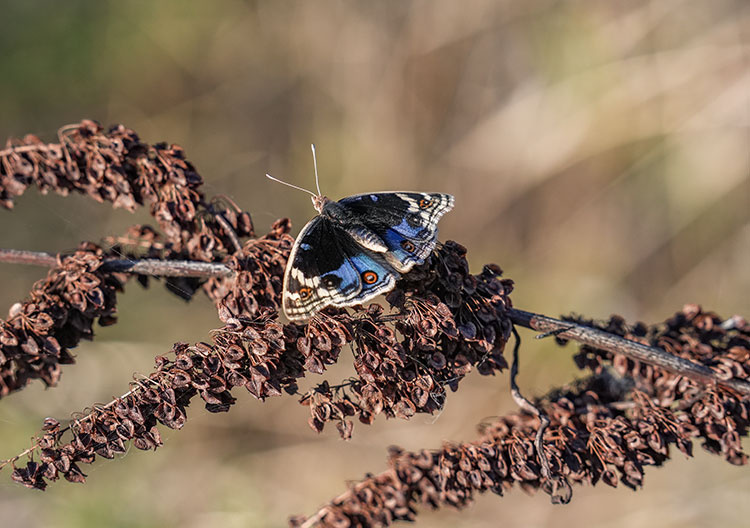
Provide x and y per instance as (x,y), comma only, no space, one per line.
(367,264)
(342,281)
(407,230)
(402,252)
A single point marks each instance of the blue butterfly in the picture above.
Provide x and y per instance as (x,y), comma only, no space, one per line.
(357,247)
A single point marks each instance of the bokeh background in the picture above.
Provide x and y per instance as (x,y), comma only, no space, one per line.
(599,151)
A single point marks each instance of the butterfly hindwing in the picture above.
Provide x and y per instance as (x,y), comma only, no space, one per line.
(404,253)
(405,221)
(327,267)
(376,274)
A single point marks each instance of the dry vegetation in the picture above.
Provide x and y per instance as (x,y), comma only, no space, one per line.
(597,150)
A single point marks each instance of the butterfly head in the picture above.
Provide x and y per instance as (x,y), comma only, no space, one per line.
(319,202)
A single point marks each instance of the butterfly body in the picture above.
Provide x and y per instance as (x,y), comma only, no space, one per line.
(357,247)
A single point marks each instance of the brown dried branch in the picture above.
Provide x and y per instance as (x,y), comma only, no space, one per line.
(37,337)
(51,423)
(605,429)
(397,376)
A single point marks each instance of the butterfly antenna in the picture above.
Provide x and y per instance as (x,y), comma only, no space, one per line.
(289,184)
(315,164)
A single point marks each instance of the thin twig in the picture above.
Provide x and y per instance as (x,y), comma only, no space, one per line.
(219,217)
(529,407)
(168,268)
(632,349)
(35,258)
(229,230)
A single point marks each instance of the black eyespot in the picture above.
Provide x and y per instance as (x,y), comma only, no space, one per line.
(369,277)
(424,203)
(408,246)
(414,219)
(305,293)
(331,281)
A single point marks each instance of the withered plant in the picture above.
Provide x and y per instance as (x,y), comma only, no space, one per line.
(648,387)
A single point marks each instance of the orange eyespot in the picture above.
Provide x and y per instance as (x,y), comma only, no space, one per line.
(408,246)
(369,277)
(424,202)
(305,293)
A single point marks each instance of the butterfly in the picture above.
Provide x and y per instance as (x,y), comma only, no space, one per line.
(357,247)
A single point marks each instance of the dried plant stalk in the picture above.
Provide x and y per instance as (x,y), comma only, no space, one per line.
(651,387)
(403,363)
(116,167)
(607,428)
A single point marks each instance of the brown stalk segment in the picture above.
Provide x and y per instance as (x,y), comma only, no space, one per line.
(608,428)
(115,167)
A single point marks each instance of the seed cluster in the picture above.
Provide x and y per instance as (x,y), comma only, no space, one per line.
(608,428)
(115,167)
(444,323)
(404,357)
(38,334)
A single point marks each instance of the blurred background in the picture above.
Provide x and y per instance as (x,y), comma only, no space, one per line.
(598,151)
